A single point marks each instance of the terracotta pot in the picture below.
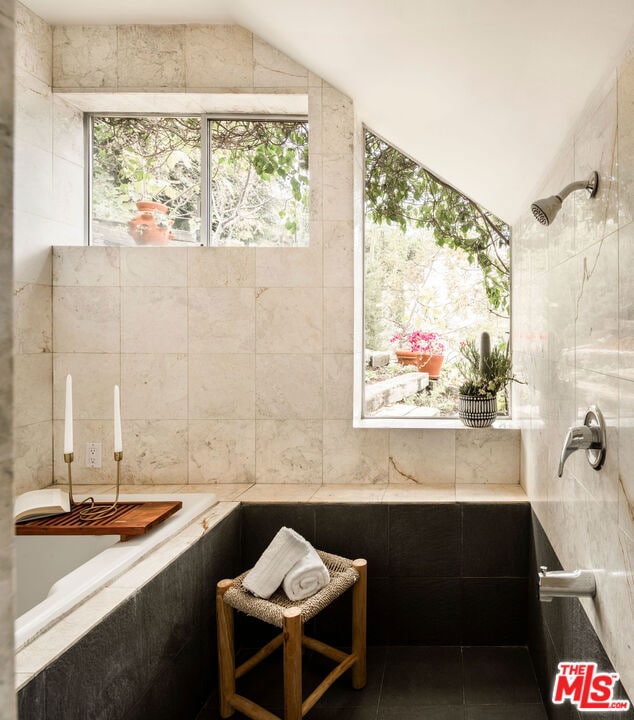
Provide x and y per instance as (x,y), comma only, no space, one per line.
(477,412)
(424,363)
(150,226)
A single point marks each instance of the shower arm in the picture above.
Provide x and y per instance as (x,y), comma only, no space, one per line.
(572,187)
(591,185)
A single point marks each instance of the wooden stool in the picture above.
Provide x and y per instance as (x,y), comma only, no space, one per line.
(290,616)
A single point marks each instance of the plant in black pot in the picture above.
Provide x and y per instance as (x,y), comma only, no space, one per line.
(485,372)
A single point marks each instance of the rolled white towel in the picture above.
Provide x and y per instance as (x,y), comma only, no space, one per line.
(283,552)
(306,577)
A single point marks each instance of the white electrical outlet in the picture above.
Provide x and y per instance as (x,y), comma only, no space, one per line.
(93,455)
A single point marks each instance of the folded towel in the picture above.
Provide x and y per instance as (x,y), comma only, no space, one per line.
(286,548)
(306,577)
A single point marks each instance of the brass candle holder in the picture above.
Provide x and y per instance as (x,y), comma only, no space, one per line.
(68,459)
(92,511)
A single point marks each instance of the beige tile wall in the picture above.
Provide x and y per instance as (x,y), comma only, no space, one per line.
(244,355)
(48,209)
(7,695)
(573,330)
(234,382)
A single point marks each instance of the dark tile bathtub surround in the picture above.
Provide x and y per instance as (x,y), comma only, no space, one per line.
(455,575)
(187,643)
(32,699)
(560,631)
(265,520)
(424,541)
(441,574)
(341,530)
(154,656)
(495,540)
(80,683)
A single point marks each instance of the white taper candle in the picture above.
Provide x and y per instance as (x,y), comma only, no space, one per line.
(118,442)
(68,417)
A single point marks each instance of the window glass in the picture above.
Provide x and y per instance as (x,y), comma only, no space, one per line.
(147,173)
(436,275)
(145,187)
(258,183)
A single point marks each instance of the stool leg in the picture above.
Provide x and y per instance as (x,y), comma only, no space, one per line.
(292,664)
(226,653)
(359,624)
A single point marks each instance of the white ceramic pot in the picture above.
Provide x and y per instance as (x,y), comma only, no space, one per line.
(477,412)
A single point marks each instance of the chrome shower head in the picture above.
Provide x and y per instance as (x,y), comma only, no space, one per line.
(546,209)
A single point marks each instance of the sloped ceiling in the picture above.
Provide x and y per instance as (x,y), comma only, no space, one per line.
(482,92)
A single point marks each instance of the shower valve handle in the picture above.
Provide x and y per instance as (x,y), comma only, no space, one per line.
(590,437)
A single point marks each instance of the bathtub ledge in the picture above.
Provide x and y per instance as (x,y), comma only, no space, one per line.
(384,493)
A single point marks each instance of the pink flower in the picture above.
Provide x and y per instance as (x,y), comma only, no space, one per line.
(428,343)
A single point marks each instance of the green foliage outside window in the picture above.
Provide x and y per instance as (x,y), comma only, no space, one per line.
(401,192)
(258,178)
(145,158)
(435,261)
(259,182)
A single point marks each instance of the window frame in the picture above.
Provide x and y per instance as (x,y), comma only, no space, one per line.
(359,418)
(205,165)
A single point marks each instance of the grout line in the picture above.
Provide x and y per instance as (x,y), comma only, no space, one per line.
(462,563)
(388,522)
(463,675)
(188,353)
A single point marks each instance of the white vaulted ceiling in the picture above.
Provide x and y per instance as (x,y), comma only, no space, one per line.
(482,92)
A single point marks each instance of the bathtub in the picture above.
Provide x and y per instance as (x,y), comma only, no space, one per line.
(56,573)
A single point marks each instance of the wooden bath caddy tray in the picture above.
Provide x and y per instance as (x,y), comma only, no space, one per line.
(130,519)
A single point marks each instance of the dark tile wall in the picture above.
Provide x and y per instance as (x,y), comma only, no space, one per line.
(438,574)
(560,631)
(155,655)
(455,574)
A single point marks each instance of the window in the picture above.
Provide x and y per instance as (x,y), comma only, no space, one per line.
(150,160)
(259,183)
(436,274)
(185,180)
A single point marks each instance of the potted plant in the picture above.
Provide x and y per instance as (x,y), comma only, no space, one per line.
(485,372)
(426,351)
(151,226)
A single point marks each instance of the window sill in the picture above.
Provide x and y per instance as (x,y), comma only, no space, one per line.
(426,424)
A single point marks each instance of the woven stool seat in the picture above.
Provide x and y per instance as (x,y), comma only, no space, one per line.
(342,577)
(290,617)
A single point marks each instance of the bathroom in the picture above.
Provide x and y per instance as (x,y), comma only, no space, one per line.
(208,415)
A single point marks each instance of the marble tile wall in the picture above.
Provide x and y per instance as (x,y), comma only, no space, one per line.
(224,380)
(235,364)
(48,209)
(147,58)
(573,331)
(7,35)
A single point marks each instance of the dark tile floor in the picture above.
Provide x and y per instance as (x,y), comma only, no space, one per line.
(411,683)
